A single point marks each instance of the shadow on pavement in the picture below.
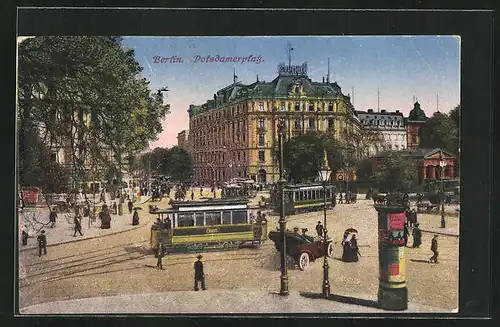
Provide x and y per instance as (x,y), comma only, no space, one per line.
(138,249)
(420,260)
(343,299)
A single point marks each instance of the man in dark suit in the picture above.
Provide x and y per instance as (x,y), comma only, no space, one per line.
(199,275)
(434,249)
(78,226)
(42,243)
(161,253)
(319,229)
(25,235)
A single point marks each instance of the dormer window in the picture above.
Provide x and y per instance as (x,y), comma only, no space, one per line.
(283,106)
(311,107)
(261,106)
(330,106)
(297,106)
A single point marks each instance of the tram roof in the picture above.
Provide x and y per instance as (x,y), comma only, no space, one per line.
(209,202)
(306,186)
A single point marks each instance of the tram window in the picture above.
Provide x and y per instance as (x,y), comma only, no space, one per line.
(212,218)
(199,219)
(226,217)
(239,217)
(185,219)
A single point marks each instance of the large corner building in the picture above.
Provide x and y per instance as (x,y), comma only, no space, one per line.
(235,134)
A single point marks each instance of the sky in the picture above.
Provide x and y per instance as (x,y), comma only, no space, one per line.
(400,67)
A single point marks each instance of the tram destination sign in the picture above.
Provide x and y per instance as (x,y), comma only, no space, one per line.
(292,70)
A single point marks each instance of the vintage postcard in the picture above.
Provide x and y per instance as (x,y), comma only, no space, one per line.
(238,175)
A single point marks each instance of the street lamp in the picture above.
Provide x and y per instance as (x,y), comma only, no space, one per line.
(282,221)
(442,163)
(211,165)
(324,174)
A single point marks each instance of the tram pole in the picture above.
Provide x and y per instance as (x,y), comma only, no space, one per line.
(282,220)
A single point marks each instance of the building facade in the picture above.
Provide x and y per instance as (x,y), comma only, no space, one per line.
(414,123)
(235,133)
(427,163)
(183,139)
(390,126)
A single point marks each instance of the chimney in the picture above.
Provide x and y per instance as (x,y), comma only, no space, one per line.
(397,111)
(382,111)
(370,110)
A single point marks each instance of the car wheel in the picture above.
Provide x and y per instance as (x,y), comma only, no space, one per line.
(303,261)
(329,249)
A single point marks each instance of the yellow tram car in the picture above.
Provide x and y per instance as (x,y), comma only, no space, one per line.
(209,224)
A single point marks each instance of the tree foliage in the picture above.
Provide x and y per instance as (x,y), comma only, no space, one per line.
(303,156)
(440,131)
(396,173)
(175,162)
(85,94)
(364,170)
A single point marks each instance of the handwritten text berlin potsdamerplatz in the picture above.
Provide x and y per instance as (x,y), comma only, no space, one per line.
(209,59)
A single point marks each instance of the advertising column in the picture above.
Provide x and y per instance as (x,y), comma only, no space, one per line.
(392,293)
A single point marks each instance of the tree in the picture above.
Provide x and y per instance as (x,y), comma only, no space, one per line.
(179,164)
(85,94)
(396,173)
(440,131)
(303,156)
(364,169)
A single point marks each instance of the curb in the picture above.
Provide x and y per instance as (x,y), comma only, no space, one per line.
(440,233)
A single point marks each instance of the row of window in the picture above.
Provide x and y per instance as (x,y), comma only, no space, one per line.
(220,174)
(219,157)
(297,106)
(284,106)
(311,195)
(211,218)
(385,122)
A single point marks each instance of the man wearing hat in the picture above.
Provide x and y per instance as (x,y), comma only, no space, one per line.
(417,236)
(25,235)
(199,275)
(53,217)
(42,243)
(434,249)
(161,253)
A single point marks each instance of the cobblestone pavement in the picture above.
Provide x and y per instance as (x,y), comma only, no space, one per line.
(122,264)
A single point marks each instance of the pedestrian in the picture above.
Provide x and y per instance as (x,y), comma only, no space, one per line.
(42,243)
(114,208)
(199,275)
(434,249)
(319,229)
(135,217)
(252,218)
(354,248)
(201,192)
(340,199)
(417,236)
(130,205)
(296,230)
(53,217)
(161,253)
(192,194)
(24,235)
(78,226)
(405,233)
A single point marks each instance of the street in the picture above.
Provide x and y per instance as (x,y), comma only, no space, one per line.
(122,264)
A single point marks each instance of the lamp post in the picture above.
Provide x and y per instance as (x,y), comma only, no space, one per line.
(324,174)
(211,165)
(442,163)
(282,221)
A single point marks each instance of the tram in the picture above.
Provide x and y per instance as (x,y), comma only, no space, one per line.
(209,224)
(303,197)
